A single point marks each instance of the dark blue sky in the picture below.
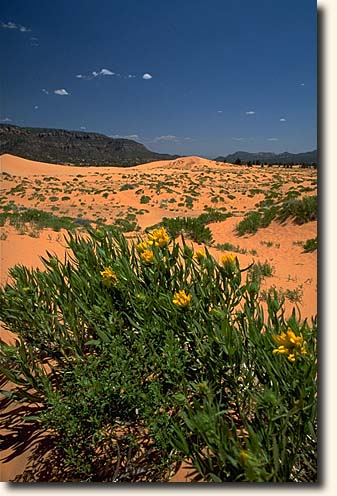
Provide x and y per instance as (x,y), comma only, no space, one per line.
(220,75)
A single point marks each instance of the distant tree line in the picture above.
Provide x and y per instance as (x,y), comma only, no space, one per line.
(286,165)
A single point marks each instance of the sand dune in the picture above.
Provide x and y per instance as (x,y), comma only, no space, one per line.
(19,166)
(146,193)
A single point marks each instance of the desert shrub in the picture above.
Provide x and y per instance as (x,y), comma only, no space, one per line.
(145,199)
(127,225)
(310,245)
(230,247)
(249,224)
(127,186)
(260,270)
(301,211)
(190,227)
(143,355)
(194,227)
(38,218)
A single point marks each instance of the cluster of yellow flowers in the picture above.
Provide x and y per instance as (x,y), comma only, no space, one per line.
(109,277)
(290,344)
(147,256)
(181,299)
(228,260)
(142,246)
(199,255)
(158,237)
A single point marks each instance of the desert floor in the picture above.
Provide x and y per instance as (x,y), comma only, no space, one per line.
(141,196)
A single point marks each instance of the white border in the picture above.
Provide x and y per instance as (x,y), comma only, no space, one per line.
(328,244)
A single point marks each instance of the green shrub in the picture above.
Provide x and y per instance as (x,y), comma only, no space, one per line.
(249,224)
(127,186)
(310,245)
(301,211)
(141,356)
(145,199)
(260,270)
(190,227)
(38,218)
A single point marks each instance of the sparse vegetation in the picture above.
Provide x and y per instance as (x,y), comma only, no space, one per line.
(310,245)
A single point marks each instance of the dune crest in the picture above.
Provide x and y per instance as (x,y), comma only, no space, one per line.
(19,166)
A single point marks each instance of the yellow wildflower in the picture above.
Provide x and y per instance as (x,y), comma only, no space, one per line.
(159,237)
(228,260)
(109,277)
(181,299)
(244,457)
(147,256)
(142,246)
(289,344)
(199,255)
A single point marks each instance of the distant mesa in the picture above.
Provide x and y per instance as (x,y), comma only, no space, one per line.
(58,146)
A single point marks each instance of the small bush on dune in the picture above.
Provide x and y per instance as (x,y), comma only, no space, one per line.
(144,355)
(194,228)
(310,245)
(300,211)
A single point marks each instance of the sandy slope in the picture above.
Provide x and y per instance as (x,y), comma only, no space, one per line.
(182,187)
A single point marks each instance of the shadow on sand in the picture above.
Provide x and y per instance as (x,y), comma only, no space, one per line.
(27,452)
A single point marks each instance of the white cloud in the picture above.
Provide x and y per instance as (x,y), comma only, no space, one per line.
(6,119)
(46,92)
(189,139)
(147,76)
(61,92)
(250,112)
(94,74)
(34,42)
(106,72)
(272,139)
(103,72)
(239,139)
(132,136)
(167,137)
(131,76)
(128,136)
(283,119)
(302,84)
(13,25)
(220,111)
(83,127)
(36,107)
(9,25)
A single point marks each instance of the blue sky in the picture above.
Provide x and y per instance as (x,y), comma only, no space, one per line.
(181,76)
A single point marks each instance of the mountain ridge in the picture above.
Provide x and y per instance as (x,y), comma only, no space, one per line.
(60,146)
(270,157)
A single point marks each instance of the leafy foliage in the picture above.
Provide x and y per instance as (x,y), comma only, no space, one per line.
(132,380)
(194,228)
(310,245)
(299,210)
